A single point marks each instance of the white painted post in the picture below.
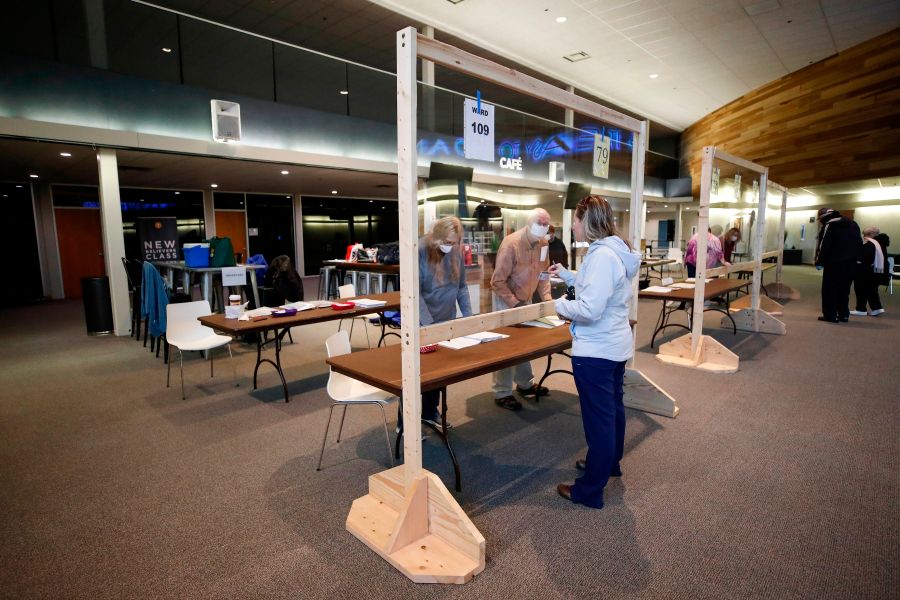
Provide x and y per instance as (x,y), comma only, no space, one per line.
(781,226)
(113,239)
(209,214)
(709,153)
(678,224)
(637,204)
(409,252)
(298,234)
(758,240)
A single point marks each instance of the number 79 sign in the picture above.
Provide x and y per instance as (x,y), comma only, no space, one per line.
(601,156)
(478,138)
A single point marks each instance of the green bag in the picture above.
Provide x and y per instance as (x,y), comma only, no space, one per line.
(221,252)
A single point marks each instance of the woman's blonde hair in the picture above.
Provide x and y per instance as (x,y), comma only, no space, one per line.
(596,217)
(439,232)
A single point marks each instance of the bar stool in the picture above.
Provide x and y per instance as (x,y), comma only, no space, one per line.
(354,279)
(379,282)
(327,283)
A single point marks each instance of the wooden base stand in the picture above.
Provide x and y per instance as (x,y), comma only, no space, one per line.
(423,532)
(642,394)
(757,321)
(711,355)
(766,304)
(782,291)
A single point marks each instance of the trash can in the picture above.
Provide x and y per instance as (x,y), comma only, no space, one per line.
(97,305)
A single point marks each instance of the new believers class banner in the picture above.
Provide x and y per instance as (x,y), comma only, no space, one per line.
(158,237)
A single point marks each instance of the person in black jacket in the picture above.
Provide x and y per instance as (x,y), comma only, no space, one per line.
(557,249)
(285,281)
(865,284)
(838,250)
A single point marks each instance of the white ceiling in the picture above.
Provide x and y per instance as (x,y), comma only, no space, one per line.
(706,52)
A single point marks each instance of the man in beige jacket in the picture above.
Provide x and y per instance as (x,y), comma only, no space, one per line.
(520,269)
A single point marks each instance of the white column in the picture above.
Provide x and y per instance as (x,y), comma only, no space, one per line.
(567,212)
(678,224)
(48,248)
(428,80)
(209,214)
(298,235)
(113,238)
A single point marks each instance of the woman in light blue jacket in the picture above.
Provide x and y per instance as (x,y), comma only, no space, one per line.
(602,342)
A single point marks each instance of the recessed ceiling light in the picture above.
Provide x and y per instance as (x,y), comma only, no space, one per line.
(287,196)
(334,191)
(6,195)
(65,154)
(176,193)
(344,92)
(18,186)
(626,210)
(371,201)
(285,172)
(167,50)
(561,19)
(142,199)
(214,185)
(654,75)
(500,190)
(665,206)
(560,196)
(577,56)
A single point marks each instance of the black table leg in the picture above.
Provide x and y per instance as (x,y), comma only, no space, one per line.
(260,342)
(441,431)
(548,373)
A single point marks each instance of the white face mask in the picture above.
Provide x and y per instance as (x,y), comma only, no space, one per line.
(539,231)
(734,238)
(446,248)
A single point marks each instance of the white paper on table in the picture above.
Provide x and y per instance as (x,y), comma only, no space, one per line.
(262,311)
(459,343)
(691,280)
(544,250)
(486,336)
(683,285)
(299,305)
(368,302)
(546,322)
(658,289)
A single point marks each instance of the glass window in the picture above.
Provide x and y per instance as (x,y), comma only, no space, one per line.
(270,225)
(142,41)
(310,80)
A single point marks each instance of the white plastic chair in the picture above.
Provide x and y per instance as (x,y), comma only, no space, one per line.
(345,391)
(186,333)
(678,256)
(348,291)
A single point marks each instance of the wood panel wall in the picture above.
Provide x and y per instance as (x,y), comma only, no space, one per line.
(837,120)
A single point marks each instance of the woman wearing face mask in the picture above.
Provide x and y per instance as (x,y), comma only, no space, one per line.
(729,242)
(601,344)
(442,286)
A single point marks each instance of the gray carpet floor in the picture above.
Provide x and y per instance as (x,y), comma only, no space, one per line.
(779,481)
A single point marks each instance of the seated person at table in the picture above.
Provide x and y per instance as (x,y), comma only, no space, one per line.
(601,344)
(713,253)
(442,286)
(285,281)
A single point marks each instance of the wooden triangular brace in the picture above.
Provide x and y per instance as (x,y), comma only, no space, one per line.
(712,356)
(757,321)
(782,291)
(643,394)
(421,531)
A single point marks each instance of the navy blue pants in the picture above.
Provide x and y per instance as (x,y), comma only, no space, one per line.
(600,388)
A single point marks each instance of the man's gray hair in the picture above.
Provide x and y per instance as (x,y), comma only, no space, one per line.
(871,231)
(535,213)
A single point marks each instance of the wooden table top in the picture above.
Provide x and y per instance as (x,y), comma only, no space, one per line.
(655,262)
(714,287)
(303,317)
(363,266)
(381,367)
(763,267)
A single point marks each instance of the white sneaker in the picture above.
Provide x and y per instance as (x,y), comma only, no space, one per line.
(860,313)
(877,312)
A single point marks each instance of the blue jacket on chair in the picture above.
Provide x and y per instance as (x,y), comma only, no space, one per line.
(154,300)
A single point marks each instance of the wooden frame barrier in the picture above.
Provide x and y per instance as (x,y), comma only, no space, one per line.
(409,517)
(695,350)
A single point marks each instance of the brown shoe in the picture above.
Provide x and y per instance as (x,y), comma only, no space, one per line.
(565,490)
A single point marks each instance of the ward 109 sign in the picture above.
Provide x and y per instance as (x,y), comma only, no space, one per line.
(478,139)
